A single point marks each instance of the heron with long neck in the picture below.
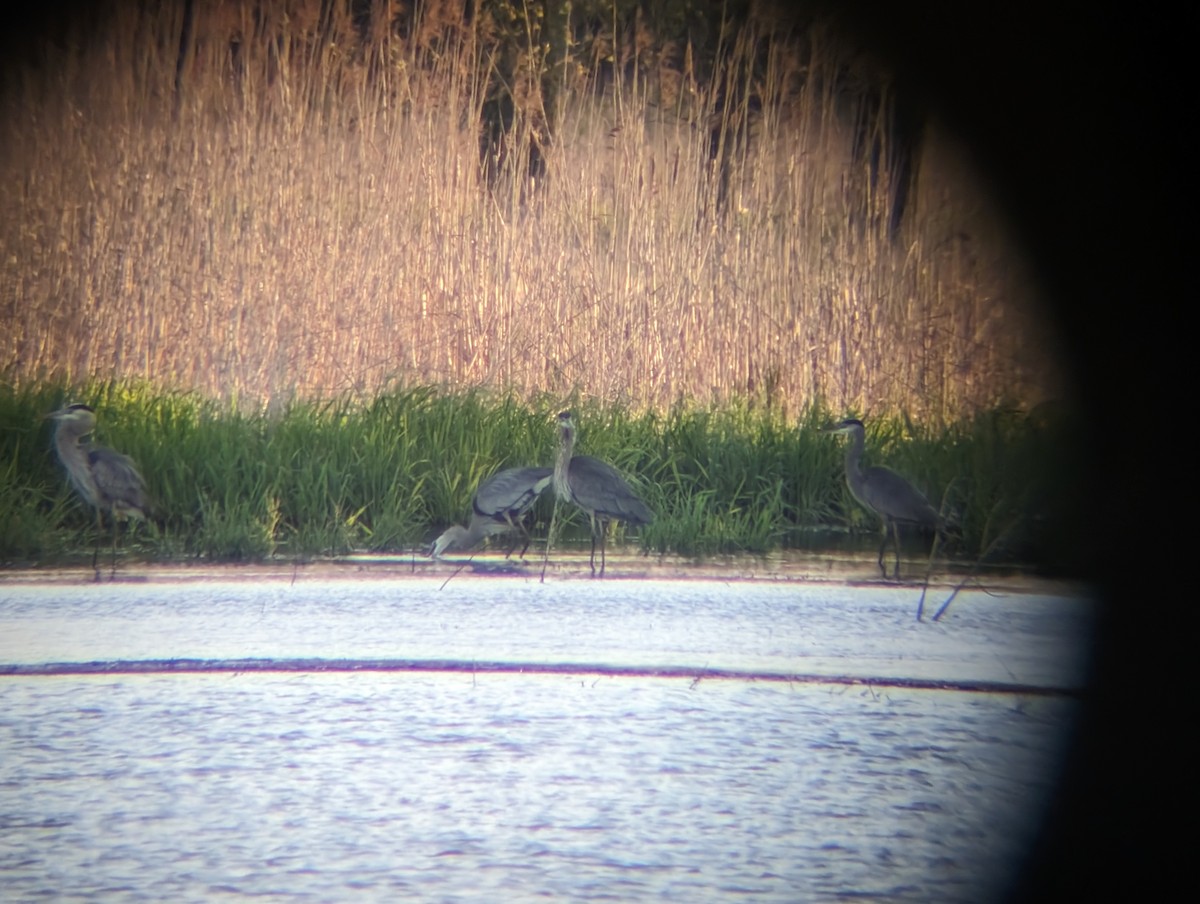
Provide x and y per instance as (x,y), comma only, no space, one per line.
(883,491)
(107,480)
(596,487)
(497,507)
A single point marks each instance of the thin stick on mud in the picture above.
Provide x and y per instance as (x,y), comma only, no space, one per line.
(974,570)
(457,571)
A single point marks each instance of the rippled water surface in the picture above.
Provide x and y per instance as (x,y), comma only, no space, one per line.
(371,783)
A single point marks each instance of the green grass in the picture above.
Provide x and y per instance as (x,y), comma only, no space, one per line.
(389,473)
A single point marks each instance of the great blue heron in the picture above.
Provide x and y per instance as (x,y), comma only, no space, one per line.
(497,507)
(107,480)
(883,491)
(596,487)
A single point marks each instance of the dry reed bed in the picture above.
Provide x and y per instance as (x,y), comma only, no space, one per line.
(308,215)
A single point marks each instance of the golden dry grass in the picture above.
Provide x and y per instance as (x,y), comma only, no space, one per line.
(308,215)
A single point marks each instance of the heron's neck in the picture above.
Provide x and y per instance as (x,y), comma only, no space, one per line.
(70,447)
(562,486)
(854,451)
(474,532)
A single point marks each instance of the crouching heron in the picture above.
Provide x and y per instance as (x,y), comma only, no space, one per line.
(498,507)
(884,492)
(107,480)
(596,487)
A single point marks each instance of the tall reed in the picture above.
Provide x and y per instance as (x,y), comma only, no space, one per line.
(274,203)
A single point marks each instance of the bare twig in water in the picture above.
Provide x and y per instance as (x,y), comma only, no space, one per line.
(457,571)
(937,537)
(1003,535)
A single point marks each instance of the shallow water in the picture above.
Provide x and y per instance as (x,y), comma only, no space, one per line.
(370,782)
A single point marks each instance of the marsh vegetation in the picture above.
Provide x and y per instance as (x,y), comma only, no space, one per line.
(321,267)
(390,472)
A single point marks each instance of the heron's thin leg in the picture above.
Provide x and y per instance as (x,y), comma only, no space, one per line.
(882,547)
(96,548)
(512,546)
(114,548)
(603,543)
(528,539)
(549,540)
(896,541)
(525,524)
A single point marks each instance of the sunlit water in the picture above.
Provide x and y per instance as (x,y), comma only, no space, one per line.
(487,785)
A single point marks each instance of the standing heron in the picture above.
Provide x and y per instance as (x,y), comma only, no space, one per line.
(107,480)
(596,487)
(498,506)
(884,492)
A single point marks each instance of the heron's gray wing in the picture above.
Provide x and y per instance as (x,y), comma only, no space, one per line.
(118,482)
(511,492)
(599,487)
(891,495)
